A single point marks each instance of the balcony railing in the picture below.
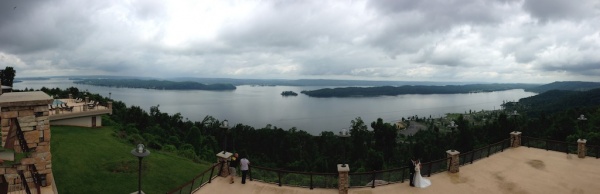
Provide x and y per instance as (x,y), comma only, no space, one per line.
(470,157)
(383,177)
(559,146)
(197,182)
(293,178)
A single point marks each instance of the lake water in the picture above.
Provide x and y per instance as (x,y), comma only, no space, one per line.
(258,106)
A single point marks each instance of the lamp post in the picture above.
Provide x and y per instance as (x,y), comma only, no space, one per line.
(109,94)
(140,151)
(581,119)
(452,126)
(343,134)
(224,126)
(514,114)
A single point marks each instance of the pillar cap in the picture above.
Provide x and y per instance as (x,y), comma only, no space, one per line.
(343,169)
(515,133)
(581,140)
(453,152)
(225,155)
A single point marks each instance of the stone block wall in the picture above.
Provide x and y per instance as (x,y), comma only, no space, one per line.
(35,125)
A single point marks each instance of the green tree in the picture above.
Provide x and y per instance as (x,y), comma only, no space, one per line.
(7,76)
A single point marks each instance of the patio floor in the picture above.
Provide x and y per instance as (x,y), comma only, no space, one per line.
(519,170)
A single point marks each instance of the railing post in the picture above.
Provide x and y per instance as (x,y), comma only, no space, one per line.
(311,181)
(343,180)
(472,156)
(373,180)
(403,173)
(454,161)
(515,138)
(430,166)
(279,177)
(192,186)
(547,142)
(489,150)
(250,172)
(581,148)
(211,173)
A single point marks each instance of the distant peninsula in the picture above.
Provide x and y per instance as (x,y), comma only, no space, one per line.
(289,93)
(155,84)
(400,90)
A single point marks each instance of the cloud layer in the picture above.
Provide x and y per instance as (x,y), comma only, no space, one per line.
(471,40)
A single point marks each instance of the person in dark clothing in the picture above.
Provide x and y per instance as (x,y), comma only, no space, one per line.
(233,164)
(411,167)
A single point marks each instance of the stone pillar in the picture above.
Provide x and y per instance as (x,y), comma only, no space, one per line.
(85,105)
(581,148)
(515,139)
(223,158)
(343,179)
(454,160)
(110,107)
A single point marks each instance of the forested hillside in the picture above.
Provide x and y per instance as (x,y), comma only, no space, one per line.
(420,89)
(155,84)
(568,85)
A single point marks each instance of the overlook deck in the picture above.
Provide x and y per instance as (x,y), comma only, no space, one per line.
(517,170)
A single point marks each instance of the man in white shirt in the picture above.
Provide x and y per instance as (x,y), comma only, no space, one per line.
(244,163)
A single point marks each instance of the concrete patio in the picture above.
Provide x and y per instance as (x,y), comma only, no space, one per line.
(519,170)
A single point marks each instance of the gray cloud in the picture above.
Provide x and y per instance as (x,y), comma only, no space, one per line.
(503,40)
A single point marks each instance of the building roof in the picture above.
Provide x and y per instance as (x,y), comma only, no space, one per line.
(24,99)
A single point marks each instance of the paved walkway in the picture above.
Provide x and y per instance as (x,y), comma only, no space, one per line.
(521,170)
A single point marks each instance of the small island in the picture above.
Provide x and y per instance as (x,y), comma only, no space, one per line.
(289,93)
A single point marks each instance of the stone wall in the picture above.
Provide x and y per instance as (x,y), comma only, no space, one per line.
(35,125)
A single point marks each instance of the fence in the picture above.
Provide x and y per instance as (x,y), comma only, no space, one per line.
(559,146)
(197,182)
(592,151)
(385,177)
(292,178)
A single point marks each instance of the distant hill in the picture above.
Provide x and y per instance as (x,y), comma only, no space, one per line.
(567,85)
(392,91)
(155,84)
(560,100)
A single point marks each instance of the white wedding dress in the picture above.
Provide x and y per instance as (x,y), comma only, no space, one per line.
(419,180)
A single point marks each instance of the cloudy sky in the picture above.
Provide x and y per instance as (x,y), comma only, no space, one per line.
(533,41)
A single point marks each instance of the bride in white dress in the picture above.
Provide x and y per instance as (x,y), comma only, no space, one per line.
(419,180)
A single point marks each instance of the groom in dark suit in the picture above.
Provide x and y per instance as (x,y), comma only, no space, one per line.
(411,167)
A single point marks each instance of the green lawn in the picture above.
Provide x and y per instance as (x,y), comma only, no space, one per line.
(91,160)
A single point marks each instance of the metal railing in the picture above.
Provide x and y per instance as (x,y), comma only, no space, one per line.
(197,182)
(293,178)
(592,151)
(385,177)
(559,146)
(477,154)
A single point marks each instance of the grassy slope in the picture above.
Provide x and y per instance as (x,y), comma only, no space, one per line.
(82,157)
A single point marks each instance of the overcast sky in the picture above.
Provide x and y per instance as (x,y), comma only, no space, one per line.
(534,41)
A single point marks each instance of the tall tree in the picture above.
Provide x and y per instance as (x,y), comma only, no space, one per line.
(7,76)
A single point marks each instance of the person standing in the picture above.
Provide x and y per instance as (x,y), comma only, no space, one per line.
(244,163)
(234,162)
(411,167)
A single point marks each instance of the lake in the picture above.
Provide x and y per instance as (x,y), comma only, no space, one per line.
(258,106)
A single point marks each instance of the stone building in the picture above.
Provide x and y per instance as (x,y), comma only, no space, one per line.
(25,158)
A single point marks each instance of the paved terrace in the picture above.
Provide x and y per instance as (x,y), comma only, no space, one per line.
(519,170)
